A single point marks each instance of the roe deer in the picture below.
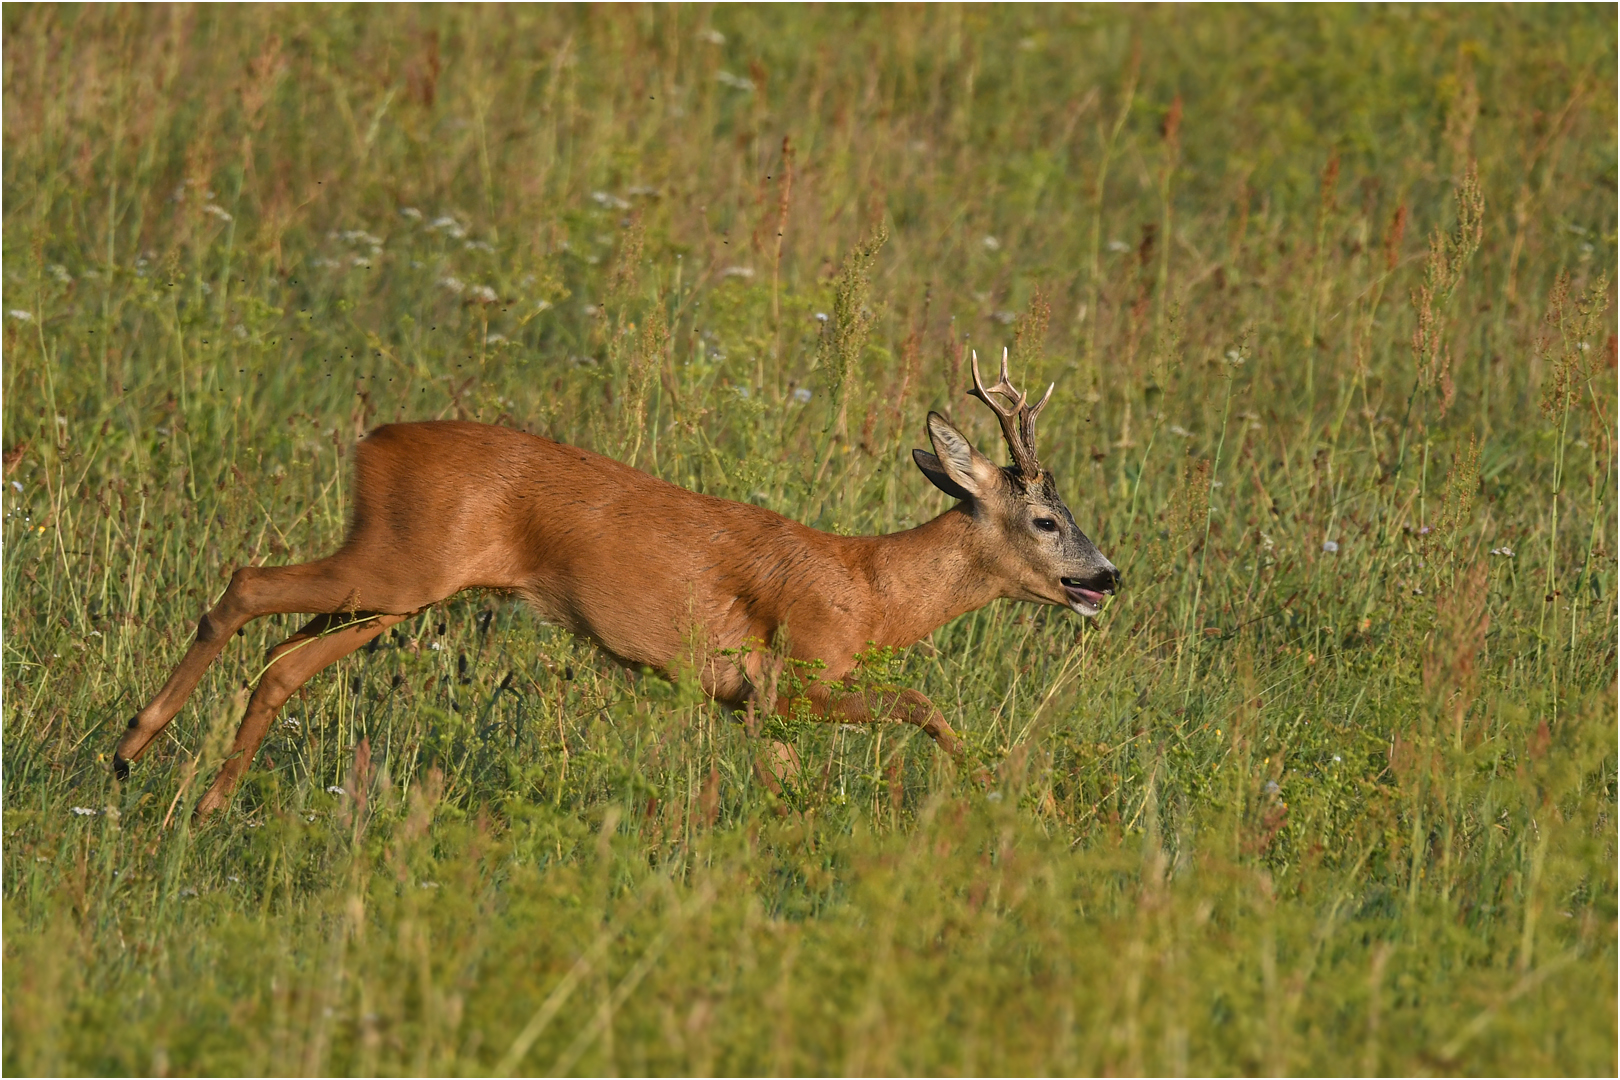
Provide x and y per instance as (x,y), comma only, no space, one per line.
(643,568)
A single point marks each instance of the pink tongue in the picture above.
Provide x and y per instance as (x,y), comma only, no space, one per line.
(1095,598)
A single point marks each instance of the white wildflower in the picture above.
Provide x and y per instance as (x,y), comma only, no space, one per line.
(218,211)
(1330,546)
(736,82)
(84,811)
(1118,245)
(610,200)
(454,284)
(483,294)
(737,271)
(410,212)
(452,228)
(333,789)
(60,273)
(802,395)
(20,315)
(712,36)
(991,243)
(1504,552)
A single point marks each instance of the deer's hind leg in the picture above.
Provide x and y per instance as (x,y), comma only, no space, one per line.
(320,642)
(327,586)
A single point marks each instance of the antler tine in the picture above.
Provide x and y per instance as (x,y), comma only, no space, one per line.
(1006,377)
(1002,386)
(1035,409)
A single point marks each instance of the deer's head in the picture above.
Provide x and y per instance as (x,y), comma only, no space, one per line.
(1028,537)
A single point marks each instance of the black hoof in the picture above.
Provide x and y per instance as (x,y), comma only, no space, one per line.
(120,768)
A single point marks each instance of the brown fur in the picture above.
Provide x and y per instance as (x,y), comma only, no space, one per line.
(649,571)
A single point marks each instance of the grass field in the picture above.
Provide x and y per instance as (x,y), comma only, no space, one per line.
(1329,787)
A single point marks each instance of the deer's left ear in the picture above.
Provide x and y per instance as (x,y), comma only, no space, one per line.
(931,468)
(969,473)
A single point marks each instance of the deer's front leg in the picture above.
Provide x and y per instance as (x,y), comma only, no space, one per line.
(776,763)
(849,706)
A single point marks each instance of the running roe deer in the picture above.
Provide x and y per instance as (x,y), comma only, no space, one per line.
(642,568)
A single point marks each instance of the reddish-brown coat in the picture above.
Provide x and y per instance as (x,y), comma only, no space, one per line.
(654,574)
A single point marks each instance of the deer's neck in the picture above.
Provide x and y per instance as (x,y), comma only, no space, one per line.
(925,577)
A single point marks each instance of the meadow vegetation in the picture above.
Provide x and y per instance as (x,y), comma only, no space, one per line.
(1329,787)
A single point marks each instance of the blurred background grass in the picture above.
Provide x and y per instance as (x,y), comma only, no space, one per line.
(1330,787)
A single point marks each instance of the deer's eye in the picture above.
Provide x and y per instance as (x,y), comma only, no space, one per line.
(1046,525)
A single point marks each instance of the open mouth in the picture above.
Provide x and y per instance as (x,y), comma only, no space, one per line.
(1087,602)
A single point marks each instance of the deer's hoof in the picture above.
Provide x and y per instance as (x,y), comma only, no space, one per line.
(120,767)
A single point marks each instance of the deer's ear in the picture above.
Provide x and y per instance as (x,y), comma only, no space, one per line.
(931,468)
(970,472)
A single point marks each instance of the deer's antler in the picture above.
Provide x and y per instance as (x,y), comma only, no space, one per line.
(1017,420)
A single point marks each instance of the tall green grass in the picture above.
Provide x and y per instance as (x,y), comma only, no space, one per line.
(1330,786)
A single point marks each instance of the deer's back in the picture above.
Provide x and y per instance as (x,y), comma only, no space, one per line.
(627,559)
